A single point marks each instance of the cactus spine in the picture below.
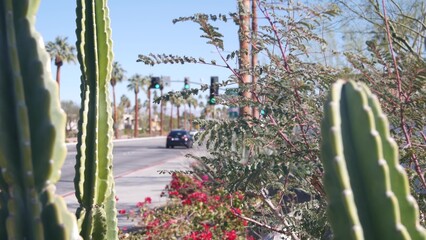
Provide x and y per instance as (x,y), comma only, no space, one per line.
(32,138)
(94,182)
(367,190)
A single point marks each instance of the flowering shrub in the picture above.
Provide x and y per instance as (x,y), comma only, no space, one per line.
(194,211)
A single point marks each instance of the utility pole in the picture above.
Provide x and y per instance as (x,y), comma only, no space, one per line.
(244,57)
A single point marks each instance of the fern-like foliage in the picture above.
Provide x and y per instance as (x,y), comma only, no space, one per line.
(275,158)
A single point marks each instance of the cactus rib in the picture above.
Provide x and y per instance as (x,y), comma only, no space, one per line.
(367,190)
(32,148)
(93,181)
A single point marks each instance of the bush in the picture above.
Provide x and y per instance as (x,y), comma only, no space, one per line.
(194,210)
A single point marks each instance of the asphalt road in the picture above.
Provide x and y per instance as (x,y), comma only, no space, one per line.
(128,156)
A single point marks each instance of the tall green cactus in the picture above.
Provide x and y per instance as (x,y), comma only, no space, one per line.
(94,182)
(32,136)
(367,190)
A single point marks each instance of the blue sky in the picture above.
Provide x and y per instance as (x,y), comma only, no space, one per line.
(143,27)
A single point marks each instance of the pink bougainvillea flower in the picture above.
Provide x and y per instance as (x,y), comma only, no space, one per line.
(170,222)
(153,224)
(198,196)
(236,211)
(173,193)
(206,235)
(146,214)
(191,236)
(148,200)
(205,178)
(198,183)
(187,202)
(140,204)
(239,195)
(122,211)
(206,226)
(231,235)
(216,197)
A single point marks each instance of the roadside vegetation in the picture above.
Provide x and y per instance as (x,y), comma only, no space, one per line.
(271,152)
(263,174)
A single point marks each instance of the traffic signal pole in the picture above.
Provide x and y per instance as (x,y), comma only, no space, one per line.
(156,83)
(161,112)
(149,110)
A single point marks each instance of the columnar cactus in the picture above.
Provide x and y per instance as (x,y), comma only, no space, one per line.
(367,190)
(94,182)
(32,136)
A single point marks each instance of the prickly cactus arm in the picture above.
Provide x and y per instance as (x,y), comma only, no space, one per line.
(341,204)
(32,148)
(356,134)
(409,210)
(94,182)
(110,207)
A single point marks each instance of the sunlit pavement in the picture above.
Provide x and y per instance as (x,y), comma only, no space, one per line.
(135,186)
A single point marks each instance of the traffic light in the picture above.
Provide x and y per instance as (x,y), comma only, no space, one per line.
(186,83)
(214,90)
(155,83)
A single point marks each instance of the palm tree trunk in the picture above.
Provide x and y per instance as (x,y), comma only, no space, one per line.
(244,10)
(135,133)
(190,119)
(184,116)
(171,116)
(254,53)
(177,116)
(58,64)
(115,113)
(58,78)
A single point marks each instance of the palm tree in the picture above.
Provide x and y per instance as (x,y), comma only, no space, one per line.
(178,102)
(192,102)
(60,51)
(124,103)
(155,106)
(135,84)
(117,75)
(171,113)
(123,106)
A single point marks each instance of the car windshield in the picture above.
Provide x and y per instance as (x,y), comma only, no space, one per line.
(177,133)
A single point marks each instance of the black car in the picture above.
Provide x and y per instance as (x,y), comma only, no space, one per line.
(179,138)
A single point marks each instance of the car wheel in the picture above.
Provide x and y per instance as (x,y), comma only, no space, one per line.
(172,146)
(167,146)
